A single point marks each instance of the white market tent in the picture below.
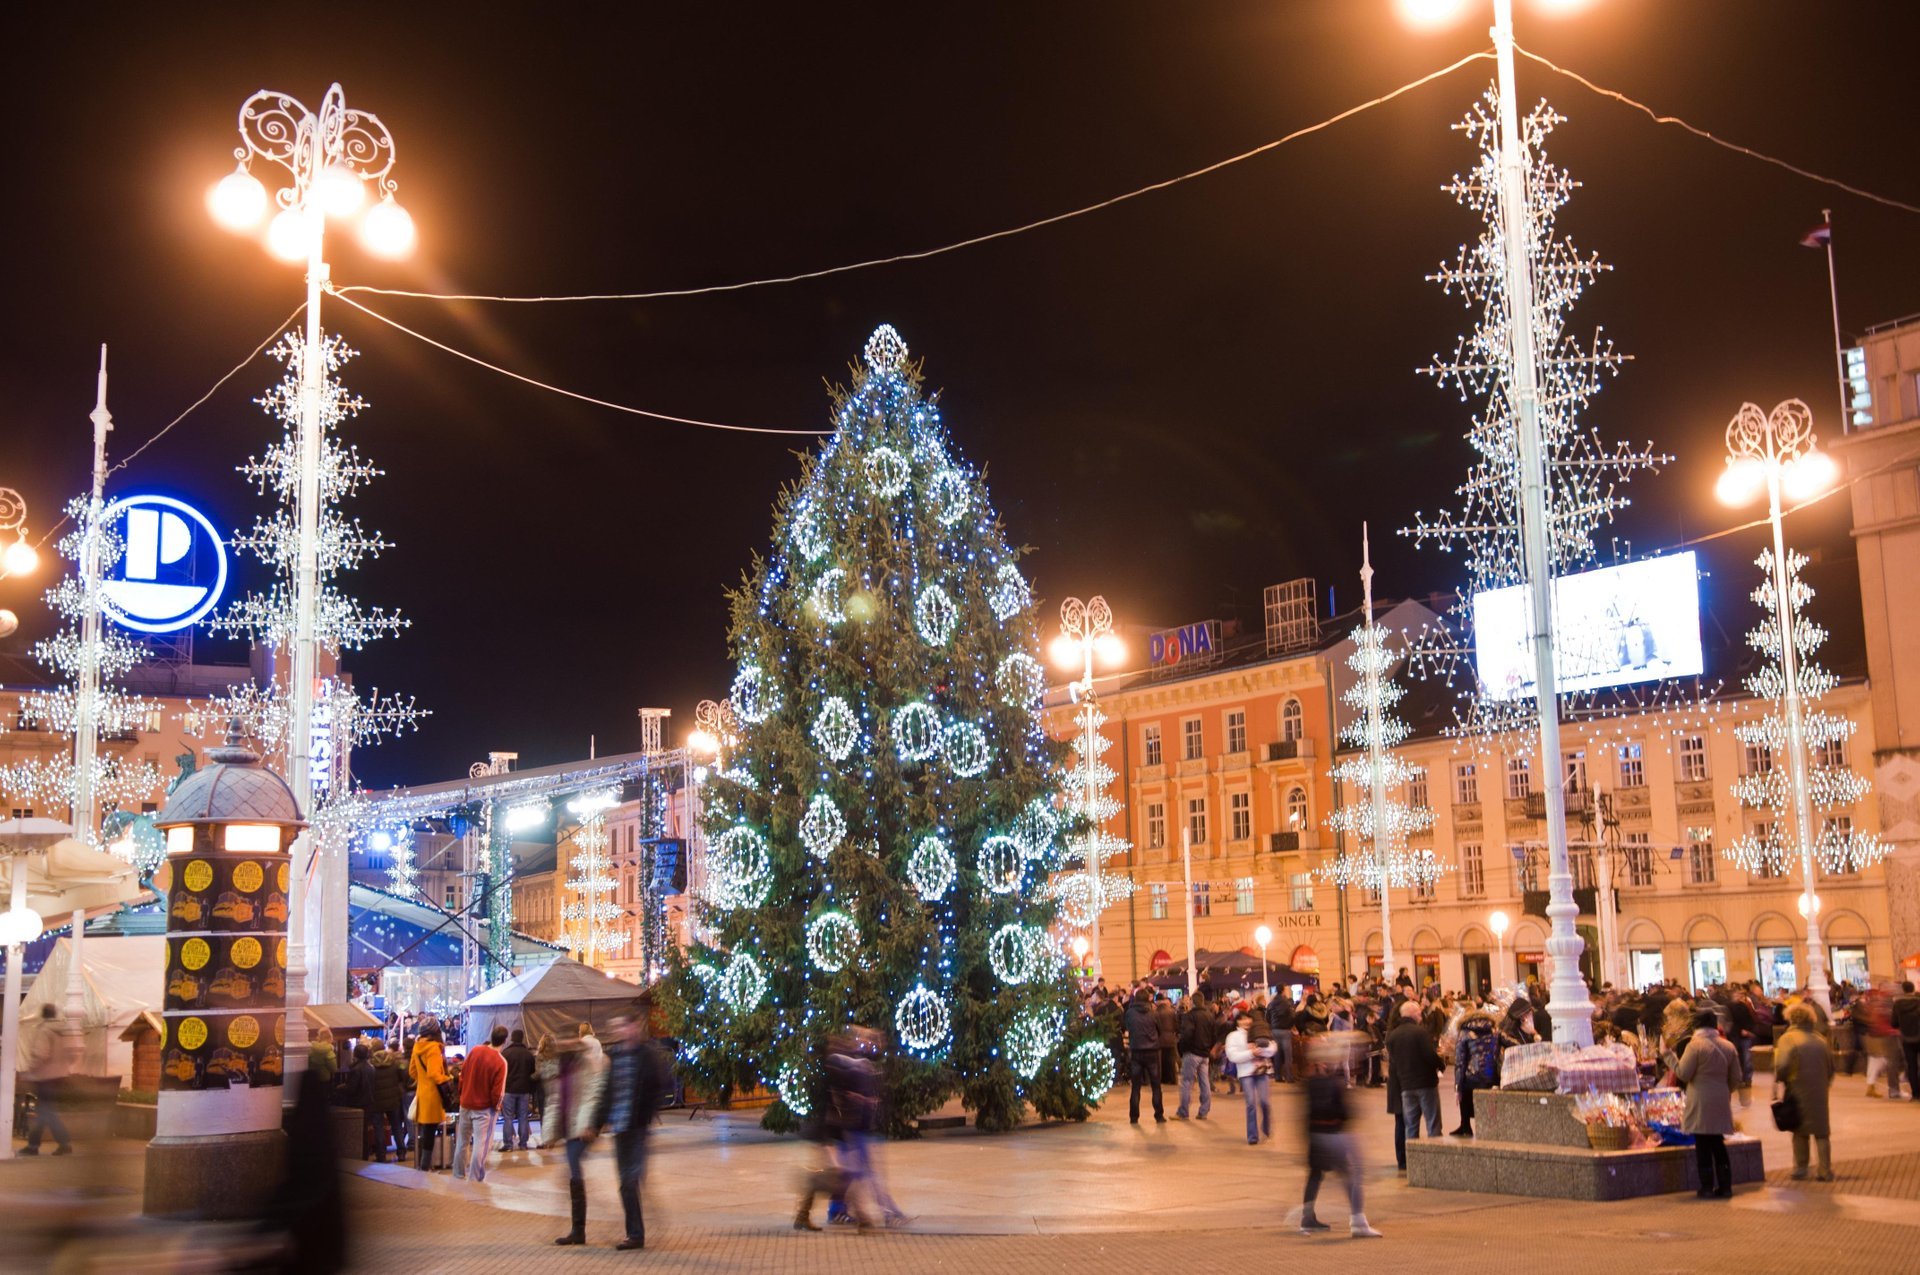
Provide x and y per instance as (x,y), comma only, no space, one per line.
(551,1000)
(120,977)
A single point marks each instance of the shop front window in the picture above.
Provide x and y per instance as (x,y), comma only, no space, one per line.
(1649,967)
(1778,972)
(1708,966)
(1850,965)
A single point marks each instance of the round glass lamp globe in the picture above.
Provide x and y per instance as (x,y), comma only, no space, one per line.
(341,192)
(1498,923)
(287,235)
(21,558)
(237,201)
(1741,481)
(1809,476)
(387,230)
(19,925)
(1263,936)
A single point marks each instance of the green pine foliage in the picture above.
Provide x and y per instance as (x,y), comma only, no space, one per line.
(888,697)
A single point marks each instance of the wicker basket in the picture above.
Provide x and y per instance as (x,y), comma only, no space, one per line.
(1605,1137)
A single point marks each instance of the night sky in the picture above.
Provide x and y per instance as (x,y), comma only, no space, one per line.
(1179,401)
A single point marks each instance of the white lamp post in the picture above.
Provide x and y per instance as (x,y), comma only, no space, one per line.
(331,155)
(1498,924)
(1775,452)
(1086,631)
(1569,1005)
(1263,936)
(1080,946)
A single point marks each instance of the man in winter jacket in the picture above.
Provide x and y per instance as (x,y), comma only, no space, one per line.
(1168,1024)
(1413,1058)
(1196,1050)
(516,1100)
(482,1080)
(1143,1056)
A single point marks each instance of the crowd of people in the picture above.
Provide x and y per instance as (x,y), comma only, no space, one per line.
(1387,1034)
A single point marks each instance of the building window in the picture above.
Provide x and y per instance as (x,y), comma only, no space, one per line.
(1297,809)
(1370,894)
(1156,825)
(1243,896)
(1236,730)
(1197,821)
(1240,815)
(1693,758)
(450,895)
(1150,743)
(1466,785)
(1756,759)
(1519,779)
(1293,724)
(1633,767)
(1301,891)
(1700,857)
(1573,771)
(1580,862)
(1769,867)
(1423,890)
(1473,872)
(1417,790)
(1157,900)
(1190,740)
(1831,754)
(1203,898)
(1639,856)
(1527,868)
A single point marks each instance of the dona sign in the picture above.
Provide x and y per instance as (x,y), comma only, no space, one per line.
(1638,622)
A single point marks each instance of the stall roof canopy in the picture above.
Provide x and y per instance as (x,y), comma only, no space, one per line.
(564,980)
(386,930)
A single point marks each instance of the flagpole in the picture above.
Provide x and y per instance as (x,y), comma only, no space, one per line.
(1833,294)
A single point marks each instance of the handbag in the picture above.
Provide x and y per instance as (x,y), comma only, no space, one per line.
(1786,1113)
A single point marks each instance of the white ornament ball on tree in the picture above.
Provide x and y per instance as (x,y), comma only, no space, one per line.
(1001,865)
(836,728)
(931,868)
(833,940)
(823,827)
(966,748)
(921,1020)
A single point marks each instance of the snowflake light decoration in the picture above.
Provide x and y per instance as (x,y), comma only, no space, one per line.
(1831,785)
(1585,475)
(593,916)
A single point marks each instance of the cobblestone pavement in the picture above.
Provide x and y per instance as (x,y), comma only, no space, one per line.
(1057,1200)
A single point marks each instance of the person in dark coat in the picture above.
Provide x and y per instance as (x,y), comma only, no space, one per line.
(1476,1063)
(1412,1057)
(1803,1066)
(1168,1024)
(1280,1023)
(1710,1072)
(355,1090)
(390,1094)
(638,1081)
(1197,1039)
(1330,1148)
(516,1103)
(1143,1056)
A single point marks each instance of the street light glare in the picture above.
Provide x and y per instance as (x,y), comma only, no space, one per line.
(341,192)
(1064,652)
(1740,482)
(21,558)
(237,201)
(1807,477)
(387,230)
(287,235)
(1498,923)
(1429,15)
(1263,936)
(1110,649)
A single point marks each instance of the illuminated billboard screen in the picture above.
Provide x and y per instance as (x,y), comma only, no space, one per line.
(1638,622)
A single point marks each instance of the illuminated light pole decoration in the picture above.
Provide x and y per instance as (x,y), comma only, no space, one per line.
(89,657)
(1543,484)
(331,156)
(1775,452)
(1086,632)
(1378,820)
(880,836)
(592,917)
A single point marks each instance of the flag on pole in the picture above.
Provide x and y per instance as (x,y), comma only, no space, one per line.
(1819,236)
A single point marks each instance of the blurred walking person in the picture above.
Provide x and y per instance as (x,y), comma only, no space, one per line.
(1803,1067)
(854,1082)
(482,1082)
(46,1069)
(639,1080)
(574,1102)
(1330,1148)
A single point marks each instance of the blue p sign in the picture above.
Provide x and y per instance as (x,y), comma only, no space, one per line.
(157,588)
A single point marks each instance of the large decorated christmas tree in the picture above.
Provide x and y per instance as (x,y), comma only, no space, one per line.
(883,836)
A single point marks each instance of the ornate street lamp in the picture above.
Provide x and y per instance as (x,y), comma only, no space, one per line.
(1086,632)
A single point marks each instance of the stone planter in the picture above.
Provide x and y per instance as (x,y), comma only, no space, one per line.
(135,1120)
